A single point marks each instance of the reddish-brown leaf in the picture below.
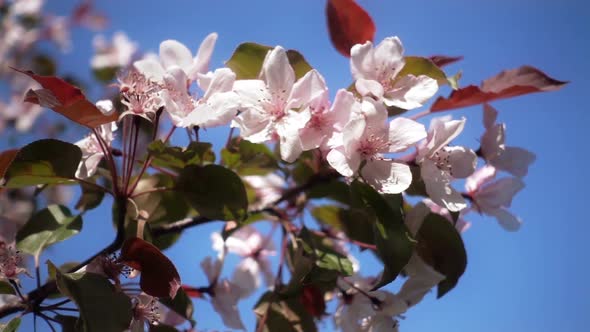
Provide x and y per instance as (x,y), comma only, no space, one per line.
(313,301)
(159,277)
(192,291)
(509,83)
(443,60)
(6,158)
(67,100)
(348,24)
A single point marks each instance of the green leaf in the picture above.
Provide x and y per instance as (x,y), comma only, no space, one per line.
(68,323)
(392,238)
(12,325)
(181,304)
(248,158)
(6,288)
(326,257)
(334,190)
(355,223)
(91,197)
(174,157)
(283,314)
(102,307)
(214,191)
(441,246)
(247,59)
(43,162)
(105,74)
(423,66)
(50,225)
(417,188)
(161,206)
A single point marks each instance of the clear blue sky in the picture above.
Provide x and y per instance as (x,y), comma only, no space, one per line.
(532,280)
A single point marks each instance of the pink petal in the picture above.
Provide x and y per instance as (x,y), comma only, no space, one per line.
(308,88)
(222,81)
(499,193)
(201,61)
(404,133)
(443,132)
(174,53)
(277,73)
(387,176)
(439,188)
(507,220)
(411,92)
(389,56)
(337,159)
(490,115)
(150,68)
(369,88)
(514,160)
(462,161)
(479,178)
(492,141)
(361,61)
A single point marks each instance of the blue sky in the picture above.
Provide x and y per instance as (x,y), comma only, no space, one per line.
(532,280)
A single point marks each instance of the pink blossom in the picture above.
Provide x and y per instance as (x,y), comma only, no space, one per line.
(366,138)
(376,73)
(268,188)
(441,163)
(493,197)
(514,160)
(116,54)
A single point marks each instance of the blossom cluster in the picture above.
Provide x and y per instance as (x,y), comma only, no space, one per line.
(353,133)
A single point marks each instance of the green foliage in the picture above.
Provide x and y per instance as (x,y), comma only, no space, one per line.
(43,162)
(441,246)
(214,191)
(91,197)
(247,158)
(48,226)
(12,325)
(423,66)
(102,307)
(6,288)
(174,157)
(392,238)
(354,222)
(247,59)
(285,314)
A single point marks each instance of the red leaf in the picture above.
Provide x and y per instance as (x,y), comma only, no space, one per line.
(348,24)
(509,83)
(313,301)
(159,277)
(192,291)
(443,60)
(67,100)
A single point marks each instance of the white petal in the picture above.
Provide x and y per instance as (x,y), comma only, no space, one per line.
(361,61)
(312,138)
(490,115)
(175,79)
(369,88)
(246,277)
(150,68)
(506,219)
(88,165)
(492,141)
(499,193)
(462,161)
(201,61)
(439,188)
(308,88)
(337,159)
(415,217)
(404,133)
(352,134)
(344,104)
(389,57)
(375,115)
(443,132)
(387,176)
(222,81)
(479,178)
(105,106)
(411,92)
(251,92)
(288,130)
(174,53)
(278,74)
(218,110)
(514,160)
(421,278)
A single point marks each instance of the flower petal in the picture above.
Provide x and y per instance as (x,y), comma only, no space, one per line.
(492,141)
(278,74)
(442,132)
(150,68)
(337,159)
(387,176)
(498,193)
(369,88)
(222,81)
(404,133)
(490,115)
(201,61)
(514,160)
(439,188)
(479,178)
(462,161)
(308,88)
(362,62)
(411,92)
(174,53)
(507,220)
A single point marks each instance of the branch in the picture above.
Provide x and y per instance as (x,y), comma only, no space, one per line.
(34,298)
(289,194)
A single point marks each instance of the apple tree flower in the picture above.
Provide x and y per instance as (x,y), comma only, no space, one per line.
(268,188)
(117,54)
(268,104)
(92,152)
(514,160)
(493,197)
(376,73)
(366,138)
(174,53)
(441,163)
